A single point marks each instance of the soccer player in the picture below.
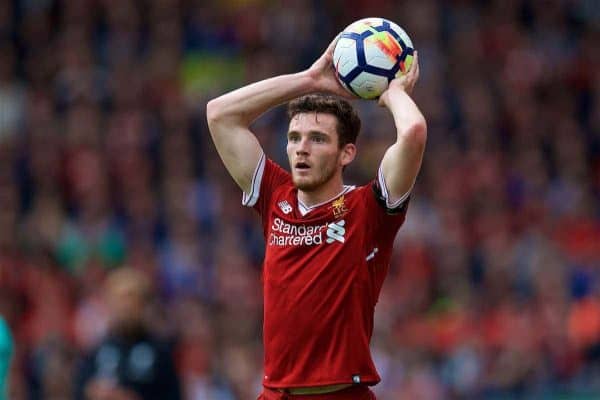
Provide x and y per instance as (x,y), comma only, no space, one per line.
(328,245)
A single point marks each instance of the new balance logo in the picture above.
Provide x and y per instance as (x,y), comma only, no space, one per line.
(336,231)
(285,207)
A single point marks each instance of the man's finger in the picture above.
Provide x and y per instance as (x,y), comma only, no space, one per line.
(333,43)
(415,65)
(417,69)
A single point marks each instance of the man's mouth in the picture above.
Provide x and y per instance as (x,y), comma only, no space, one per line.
(302,166)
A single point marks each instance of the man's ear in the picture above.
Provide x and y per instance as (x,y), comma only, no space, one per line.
(348,154)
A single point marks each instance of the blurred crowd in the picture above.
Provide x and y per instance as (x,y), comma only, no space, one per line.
(105,162)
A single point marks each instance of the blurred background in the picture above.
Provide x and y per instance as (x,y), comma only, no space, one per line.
(105,162)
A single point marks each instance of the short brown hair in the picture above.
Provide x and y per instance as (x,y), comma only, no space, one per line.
(348,122)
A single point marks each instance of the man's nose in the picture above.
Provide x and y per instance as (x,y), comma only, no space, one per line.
(303,146)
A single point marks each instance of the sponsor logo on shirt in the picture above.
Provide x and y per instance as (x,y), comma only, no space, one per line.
(336,231)
(286,234)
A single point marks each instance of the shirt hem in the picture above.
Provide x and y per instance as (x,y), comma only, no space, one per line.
(368,381)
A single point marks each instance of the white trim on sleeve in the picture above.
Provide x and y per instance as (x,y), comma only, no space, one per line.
(386,194)
(250,199)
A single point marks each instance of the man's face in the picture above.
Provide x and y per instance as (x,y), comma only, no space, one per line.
(313,150)
(127,302)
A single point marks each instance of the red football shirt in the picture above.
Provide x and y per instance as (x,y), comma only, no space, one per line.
(323,270)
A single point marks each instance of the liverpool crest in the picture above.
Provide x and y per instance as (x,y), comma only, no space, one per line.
(339,207)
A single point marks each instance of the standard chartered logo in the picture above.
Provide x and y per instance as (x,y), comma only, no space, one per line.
(336,231)
(286,234)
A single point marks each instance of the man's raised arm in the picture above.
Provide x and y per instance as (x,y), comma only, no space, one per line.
(229,116)
(402,160)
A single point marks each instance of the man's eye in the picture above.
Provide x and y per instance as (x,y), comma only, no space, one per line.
(318,139)
(293,138)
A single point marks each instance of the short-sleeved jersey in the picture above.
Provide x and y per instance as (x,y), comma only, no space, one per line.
(323,270)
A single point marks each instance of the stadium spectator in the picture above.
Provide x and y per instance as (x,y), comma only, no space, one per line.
(130,363)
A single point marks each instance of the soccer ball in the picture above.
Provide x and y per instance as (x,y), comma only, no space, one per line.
(369,54)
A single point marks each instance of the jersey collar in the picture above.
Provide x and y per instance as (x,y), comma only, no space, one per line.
(304,209)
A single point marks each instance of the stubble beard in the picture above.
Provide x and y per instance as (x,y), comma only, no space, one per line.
(314,184)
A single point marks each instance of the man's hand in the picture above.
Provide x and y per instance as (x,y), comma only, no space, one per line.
(324,74)
(405,82)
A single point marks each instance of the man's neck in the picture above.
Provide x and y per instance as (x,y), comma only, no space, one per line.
(320,195)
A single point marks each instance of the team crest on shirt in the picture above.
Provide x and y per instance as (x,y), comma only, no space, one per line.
(285,206)
(338,207)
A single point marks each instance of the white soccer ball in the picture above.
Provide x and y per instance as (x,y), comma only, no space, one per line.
(369,54)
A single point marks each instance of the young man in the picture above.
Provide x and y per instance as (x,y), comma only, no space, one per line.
(328,245)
